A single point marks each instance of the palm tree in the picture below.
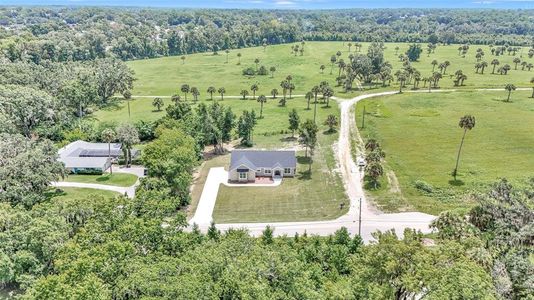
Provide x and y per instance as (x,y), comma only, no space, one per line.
(322,67)
(434,64)
(274,92)
(467,122)
(397,50)
(530,66)
(108,136)
(195,92)
(331,121)
(127,96)
(185,89)
(309,96)
(446,64)
(506,68)
(509,87)
(290,87)
(350,45)
(333,60)
(221,91)
(244,93)
(483,65)
(315,90)
(401,78)
(532,81)
(523,65)
(495,62)
(175,98)
(272,69)
(227,52)
(238,58)
(327,93)
(158,103)
(285,86)
(262,99)
(254,88)
(183,59)
(256,62)
(211,90)
(517,60)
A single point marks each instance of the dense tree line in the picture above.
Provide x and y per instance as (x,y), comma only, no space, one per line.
(136,249)
(72,34)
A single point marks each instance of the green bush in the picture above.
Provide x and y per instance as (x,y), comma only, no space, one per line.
(89,172)
(249,72)
(423,186)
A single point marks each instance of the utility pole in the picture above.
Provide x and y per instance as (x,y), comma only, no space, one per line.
(363,118)
(360,219)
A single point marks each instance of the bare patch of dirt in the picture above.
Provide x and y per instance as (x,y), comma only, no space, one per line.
(393,182)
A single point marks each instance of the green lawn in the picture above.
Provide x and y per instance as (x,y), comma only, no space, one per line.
(118,179)
(420,135)
(81,193)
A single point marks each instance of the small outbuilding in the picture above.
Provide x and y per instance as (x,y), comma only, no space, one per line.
(247,165)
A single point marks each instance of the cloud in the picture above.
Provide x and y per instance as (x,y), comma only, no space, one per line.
(284,3)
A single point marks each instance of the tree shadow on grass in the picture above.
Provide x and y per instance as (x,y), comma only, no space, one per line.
(329,132)
(104,178)
(456,182)
(305,175)
(113,105)
(289,139)
(302,160)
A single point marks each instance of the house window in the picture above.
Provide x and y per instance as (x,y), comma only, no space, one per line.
(287,170)
(242,175)
(258,171)
(267,171)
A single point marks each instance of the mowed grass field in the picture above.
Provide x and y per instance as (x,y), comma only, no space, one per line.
(420,134)
(81,193)
(118,179)
(163,76)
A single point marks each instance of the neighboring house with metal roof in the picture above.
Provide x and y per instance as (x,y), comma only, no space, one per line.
(81,156)
(246,165)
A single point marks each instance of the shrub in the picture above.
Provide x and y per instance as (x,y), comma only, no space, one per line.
(423,186)
(249,72)
(263,71)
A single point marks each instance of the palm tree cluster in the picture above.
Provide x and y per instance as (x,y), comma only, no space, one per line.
(460,78)
(373,158)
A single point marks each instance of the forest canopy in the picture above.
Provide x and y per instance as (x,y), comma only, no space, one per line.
(70,34)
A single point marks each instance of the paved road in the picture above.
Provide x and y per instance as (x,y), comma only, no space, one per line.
(372,220)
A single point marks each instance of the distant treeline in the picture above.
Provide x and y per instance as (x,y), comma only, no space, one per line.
(73,34)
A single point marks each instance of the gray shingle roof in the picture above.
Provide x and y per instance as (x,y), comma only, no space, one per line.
(81,154)
(255,159)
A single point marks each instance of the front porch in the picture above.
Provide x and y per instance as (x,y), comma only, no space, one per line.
(263,180)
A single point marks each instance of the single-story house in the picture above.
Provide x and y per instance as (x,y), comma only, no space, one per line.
(81,156)
(246,165)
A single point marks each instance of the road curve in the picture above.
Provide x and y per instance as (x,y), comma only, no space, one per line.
(371,219)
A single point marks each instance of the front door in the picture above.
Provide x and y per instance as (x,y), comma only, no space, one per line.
(277,173)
